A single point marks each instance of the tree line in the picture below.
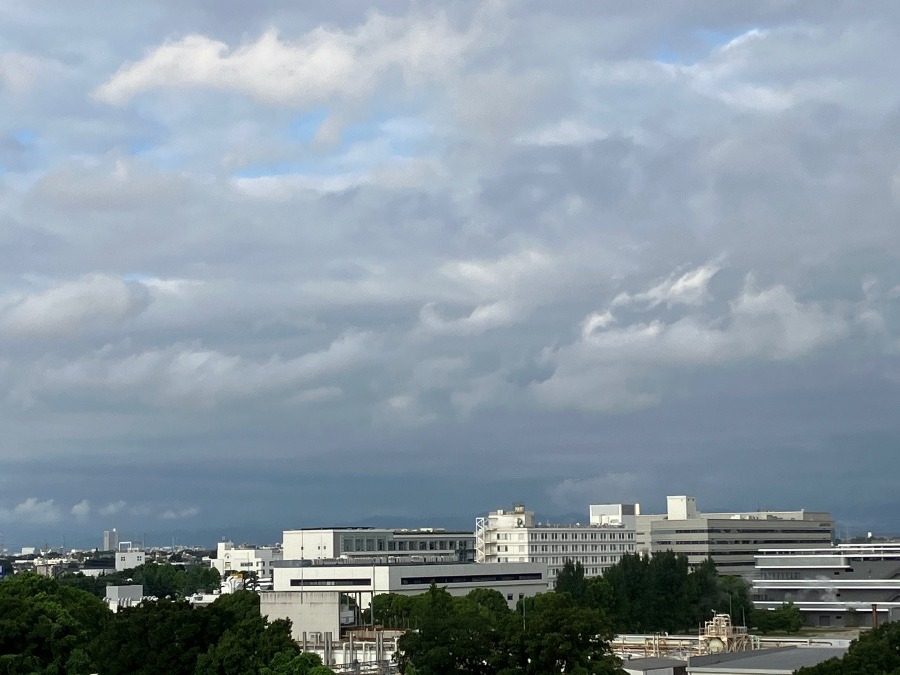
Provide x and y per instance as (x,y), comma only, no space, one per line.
(51,628)
(159,580)
(664,594)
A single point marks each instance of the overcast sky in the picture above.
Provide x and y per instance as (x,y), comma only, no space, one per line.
(289,264)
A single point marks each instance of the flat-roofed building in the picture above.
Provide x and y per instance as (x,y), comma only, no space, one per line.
(731,539)
(310,592)
(231,559)
(514,535)
(366,542)
(841,585)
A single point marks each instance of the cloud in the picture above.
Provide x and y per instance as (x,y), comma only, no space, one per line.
(112,508)
(320,66)
(32,511)
(180,376)
(94,300)
(614,367)
(81,510)
(606,488)
(180,513)
(690,288)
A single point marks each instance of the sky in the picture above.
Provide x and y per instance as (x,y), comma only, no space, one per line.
(269,264)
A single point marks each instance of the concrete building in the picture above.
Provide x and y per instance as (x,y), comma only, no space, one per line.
(730,539)
(313,593)
(514,536)
(110,540)
(842,585)
(366,542)
(231,559)
(123,596)
(129,559)
(780,661)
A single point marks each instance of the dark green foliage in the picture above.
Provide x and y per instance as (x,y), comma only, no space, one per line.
(785,619)
(52,628)
(478,634)
(161,581)
(571,580)
(45,627)
(876,652)
(662,593)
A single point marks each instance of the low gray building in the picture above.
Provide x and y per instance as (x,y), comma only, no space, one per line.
(655,665)
(781,661)
(847,585)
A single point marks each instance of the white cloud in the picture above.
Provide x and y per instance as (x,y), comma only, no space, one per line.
(32,512)
(614,367)
(689,288)
(81,510)
(176,375)
(321,65)
(179,513)
(69,308)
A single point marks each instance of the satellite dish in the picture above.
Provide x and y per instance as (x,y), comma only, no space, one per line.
(519,522)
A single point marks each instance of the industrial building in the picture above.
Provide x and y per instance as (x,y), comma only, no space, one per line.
(506,536)
(730,539)
(846,585)
(366,542)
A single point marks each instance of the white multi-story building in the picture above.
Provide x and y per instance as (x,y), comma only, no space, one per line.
(368,542)
(730,539)
(231,559)
(514,536)
(129,559)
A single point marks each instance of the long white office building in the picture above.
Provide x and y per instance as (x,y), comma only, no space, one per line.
(313,593)
(506,536)
(367,542)
(730,539)
(842,585)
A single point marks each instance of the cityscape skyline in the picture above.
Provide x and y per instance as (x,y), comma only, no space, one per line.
(278,265)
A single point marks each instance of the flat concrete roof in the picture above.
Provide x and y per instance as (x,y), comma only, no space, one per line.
(764,661)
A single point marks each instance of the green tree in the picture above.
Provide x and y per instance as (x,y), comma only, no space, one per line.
(559,636)
(571,580)
(876,652)
(45,626)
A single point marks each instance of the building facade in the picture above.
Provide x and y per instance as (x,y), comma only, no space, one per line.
(231,559)
(110,540)
(730,539)
(843,585)
(506,536)
(368,542)
(127,560)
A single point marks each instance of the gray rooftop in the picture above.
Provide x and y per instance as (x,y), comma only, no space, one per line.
(764,661)
(652,663)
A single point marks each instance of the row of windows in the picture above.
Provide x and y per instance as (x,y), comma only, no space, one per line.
(470,578)
(753,530)
(565,536)
(350,545)
(331,582)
